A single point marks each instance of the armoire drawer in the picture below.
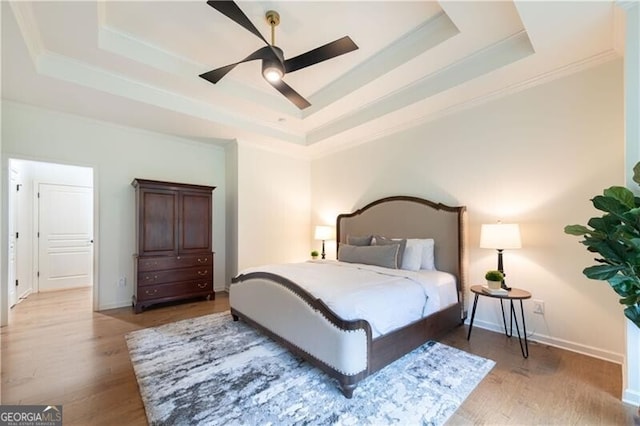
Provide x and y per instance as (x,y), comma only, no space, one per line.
(181,289)
(170,262)
(172,275)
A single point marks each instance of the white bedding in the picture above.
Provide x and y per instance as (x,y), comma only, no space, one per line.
(386,298)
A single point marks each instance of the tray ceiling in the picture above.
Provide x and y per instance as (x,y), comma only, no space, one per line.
(137,63)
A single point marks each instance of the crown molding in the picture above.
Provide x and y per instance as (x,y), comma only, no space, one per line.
(331,147)
(627,4)
(129,46)
(23,13)
(497,55)
(416,42)
(63,68)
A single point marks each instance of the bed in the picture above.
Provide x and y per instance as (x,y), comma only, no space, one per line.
(349,348)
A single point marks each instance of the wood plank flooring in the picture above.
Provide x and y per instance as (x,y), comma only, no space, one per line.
(56,351)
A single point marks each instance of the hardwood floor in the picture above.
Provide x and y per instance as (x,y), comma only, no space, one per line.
(56,351)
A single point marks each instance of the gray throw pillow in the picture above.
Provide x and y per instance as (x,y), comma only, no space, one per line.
(385,256)
(359,241)
(383,241)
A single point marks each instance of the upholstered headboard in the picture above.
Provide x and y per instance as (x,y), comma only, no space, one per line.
(412,217)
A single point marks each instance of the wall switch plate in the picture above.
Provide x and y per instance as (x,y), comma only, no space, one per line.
(122,282)
(538,307)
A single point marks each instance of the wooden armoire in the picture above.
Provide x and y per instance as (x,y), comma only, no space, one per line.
(173,230)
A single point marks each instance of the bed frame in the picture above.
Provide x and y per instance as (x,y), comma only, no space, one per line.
(345,350)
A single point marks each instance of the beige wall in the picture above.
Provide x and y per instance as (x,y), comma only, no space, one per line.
(534,158)
(118,154)
(273,207)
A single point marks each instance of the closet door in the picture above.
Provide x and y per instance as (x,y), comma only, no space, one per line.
(195,222)
(158,222)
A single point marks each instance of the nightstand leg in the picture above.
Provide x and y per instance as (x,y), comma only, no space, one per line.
(473,314)
(524,329)
(525,353)
(504,321)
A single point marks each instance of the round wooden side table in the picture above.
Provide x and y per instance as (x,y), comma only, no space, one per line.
(513,294)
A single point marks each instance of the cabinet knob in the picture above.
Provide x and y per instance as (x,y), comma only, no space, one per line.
(202,273)
(203,285)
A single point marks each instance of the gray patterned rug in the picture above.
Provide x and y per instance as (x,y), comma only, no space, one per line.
(211,370)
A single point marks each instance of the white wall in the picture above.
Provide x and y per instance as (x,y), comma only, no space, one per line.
(118,154)
(231,151)
(632,126)
(535,158)
(273,207)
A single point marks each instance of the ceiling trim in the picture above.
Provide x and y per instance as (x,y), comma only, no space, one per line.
(422,38)
(29,28)
(67,69)
(497,55)
(61,67)
(323,149)
(129,46)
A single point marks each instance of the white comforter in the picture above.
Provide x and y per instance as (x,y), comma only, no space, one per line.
(386,298)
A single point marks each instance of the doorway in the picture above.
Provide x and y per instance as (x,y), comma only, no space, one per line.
(50,228)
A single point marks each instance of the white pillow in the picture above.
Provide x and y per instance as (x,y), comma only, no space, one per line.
(412,258)
(428,261)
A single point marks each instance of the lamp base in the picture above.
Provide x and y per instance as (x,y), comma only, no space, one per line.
(501,269)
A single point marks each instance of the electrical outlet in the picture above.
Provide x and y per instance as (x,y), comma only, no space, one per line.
(538,307)
(122,282)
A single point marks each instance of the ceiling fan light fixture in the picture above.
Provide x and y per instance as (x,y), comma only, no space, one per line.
(272,71)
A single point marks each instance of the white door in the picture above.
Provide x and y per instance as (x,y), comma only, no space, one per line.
(13,237)
(65,242)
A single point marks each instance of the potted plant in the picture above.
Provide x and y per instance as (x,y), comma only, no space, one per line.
(494,279)
(615,236)
(314,254)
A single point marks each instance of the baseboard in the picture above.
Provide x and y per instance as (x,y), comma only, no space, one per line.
(114,305)
(558,343)
(125,303)
(631,397)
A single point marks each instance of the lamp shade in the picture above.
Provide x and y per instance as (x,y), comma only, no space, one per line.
(500,236)
(324,233)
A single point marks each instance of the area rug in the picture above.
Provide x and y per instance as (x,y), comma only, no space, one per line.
(212,370)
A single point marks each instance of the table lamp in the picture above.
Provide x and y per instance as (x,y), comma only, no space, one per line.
(324,233)
(500,236)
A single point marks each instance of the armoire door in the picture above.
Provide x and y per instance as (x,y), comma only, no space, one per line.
(195,219)
(158,222)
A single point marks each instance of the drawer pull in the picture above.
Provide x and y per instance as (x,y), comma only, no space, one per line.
(155,277)
(200,260)
(203,285)
(202,273)
(151,292)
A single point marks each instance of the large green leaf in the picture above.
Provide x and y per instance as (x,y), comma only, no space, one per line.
(605,224)
(615,237)
(636,173)
(602,272)
(576,230)
(622,194)
(609,250)
(633,313)
(608,204)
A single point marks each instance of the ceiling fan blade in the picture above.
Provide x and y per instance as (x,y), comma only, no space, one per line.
(290,94)
(215,75)
(232,11)
(322,53)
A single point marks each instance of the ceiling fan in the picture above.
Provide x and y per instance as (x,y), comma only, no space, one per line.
(274,66)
